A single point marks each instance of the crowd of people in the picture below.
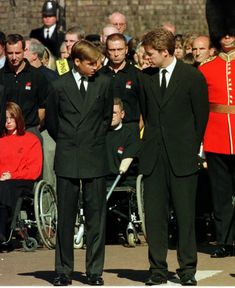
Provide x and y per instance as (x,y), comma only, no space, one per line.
(89,104)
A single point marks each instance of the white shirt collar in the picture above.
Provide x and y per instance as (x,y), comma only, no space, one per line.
(119,126)
(51,30)
(77,76)
(170,69)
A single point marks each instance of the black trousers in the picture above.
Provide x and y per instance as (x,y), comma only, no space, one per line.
(94,205)
(159,187)
(221,169)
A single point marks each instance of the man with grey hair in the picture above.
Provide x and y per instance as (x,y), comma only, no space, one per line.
(118,20)
(106,31)
(33,52)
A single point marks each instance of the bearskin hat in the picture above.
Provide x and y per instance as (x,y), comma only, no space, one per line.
(220,15)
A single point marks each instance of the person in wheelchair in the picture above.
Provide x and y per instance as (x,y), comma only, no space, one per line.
(122,145)
(20,164)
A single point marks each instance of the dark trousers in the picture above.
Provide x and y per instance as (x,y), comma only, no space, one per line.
(4,220)
(159,187)
(94,205)
(221,169)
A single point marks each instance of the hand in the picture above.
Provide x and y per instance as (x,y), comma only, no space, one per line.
(125,165)
(5,176)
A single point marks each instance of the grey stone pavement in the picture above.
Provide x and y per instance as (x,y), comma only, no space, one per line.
(124,266)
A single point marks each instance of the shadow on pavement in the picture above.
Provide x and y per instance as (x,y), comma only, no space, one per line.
(137,275)
(49,276)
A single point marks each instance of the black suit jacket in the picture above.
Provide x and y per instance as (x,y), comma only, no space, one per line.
(79,126)
(53,44)
(178,120)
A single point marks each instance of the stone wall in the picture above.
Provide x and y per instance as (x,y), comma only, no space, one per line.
(142,15)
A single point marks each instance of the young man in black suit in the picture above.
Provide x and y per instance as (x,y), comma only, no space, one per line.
(175,112)
(78,115)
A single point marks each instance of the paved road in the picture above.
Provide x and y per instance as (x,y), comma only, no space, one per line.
(123,267)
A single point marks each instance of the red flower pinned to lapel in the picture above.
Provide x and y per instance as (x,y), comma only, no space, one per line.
(120,150)
(128,84)
(28,86)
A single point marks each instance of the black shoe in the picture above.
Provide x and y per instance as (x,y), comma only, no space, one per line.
(155,280)
(62,280)
(221,252)
(95,280)
(188,280)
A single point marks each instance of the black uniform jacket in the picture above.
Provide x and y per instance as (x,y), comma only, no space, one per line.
(176,122)
(79,126)
(53,44)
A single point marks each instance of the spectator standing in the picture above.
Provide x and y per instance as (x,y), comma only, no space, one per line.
(24,84)
(125,82)
(72,35)
(202,49)
(175,110)
(118,20)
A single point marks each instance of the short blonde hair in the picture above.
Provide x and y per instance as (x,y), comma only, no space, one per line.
(85,50)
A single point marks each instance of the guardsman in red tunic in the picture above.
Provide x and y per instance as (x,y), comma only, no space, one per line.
(219,139)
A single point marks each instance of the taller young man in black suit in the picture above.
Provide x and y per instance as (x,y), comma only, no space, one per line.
(79,113)
(175,111)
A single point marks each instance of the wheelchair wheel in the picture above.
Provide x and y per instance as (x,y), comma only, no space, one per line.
(131,240)
(78,244)
(140,201)
(46,213)
(30,244)
(79,231)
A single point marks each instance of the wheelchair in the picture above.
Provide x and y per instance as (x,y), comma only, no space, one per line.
(127,206)
(35,211)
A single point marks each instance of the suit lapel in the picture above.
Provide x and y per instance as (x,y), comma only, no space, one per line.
(91,95)
(73,92)
(155,86)
(174,80)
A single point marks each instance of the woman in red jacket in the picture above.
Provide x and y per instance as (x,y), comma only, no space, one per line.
(20,163)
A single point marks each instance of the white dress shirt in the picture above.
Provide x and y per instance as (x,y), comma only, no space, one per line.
(77,76)
(50,29)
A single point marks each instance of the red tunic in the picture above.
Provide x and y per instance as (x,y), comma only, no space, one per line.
(220,76)
(21,156)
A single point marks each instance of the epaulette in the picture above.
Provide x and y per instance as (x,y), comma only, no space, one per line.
(62,66)
(211,58)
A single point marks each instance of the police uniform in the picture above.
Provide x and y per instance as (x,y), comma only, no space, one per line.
(53,42)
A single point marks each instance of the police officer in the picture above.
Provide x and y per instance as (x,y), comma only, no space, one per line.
(49,33)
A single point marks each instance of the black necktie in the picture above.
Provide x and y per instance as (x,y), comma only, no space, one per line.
(82,87)
(47,34)
(163,85)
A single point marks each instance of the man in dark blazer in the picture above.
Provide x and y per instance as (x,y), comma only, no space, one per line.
(78,115)
(49,34)
(175,112)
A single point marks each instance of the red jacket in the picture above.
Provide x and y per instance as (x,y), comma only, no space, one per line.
(21,156)
(220,76)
